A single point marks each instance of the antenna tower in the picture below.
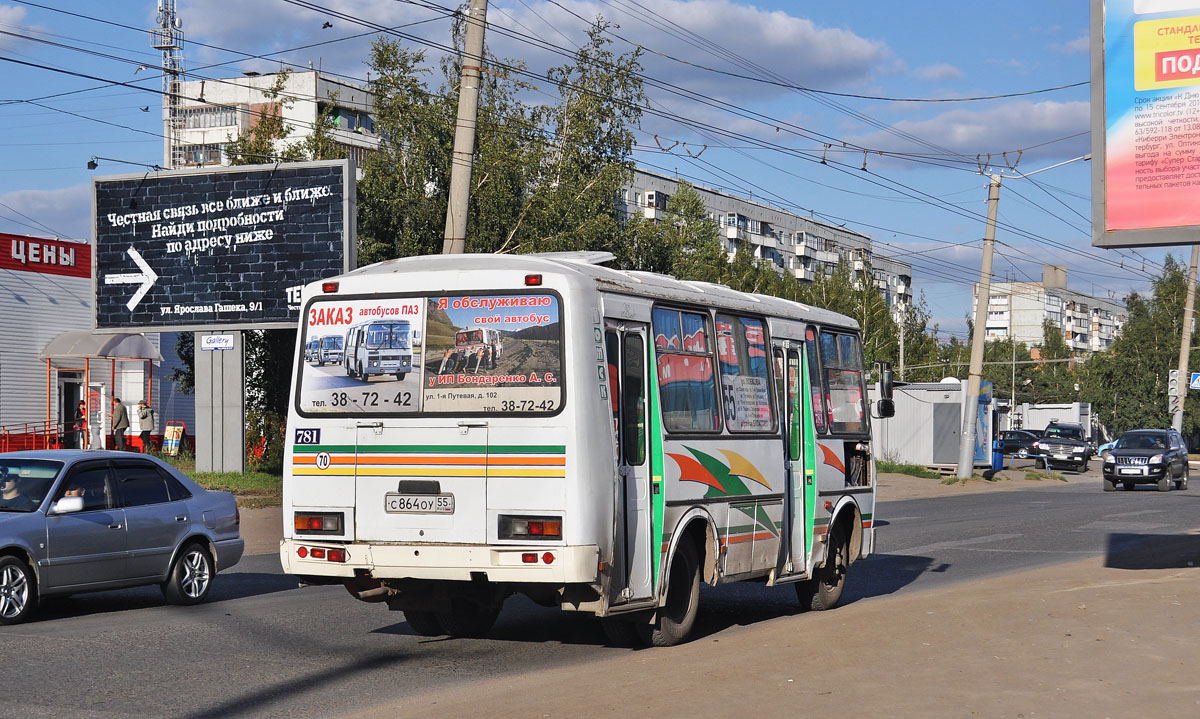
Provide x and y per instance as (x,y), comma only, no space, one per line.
(168,37)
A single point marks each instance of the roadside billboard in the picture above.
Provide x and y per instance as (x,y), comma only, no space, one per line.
(218,248)
(1145,122)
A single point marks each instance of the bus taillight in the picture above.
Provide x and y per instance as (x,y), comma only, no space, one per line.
(318,522)
(530,527)
(329,287)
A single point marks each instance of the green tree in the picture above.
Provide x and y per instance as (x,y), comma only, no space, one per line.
(1127,384)
(573,204)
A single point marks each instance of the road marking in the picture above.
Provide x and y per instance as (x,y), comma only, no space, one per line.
(925,548)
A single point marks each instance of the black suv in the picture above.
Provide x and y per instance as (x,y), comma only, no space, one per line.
(1063,444)
(1144,456)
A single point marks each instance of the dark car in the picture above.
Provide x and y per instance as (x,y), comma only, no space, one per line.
(76,521)
(1018,442)
(1063,444)
(1147,456)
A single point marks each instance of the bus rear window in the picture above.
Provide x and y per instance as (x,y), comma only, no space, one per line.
(454,354)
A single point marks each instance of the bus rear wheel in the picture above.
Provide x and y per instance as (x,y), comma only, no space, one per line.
(824,590)
(424,623)
(677,617)
(465,618)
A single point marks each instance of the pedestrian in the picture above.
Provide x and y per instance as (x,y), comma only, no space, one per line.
(120,423)
(81,432)
(147,419)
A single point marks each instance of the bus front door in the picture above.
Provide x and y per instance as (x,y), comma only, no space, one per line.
(626,352)
(792,563)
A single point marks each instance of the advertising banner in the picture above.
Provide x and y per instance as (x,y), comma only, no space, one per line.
(219,248)
(473,354)
(1147,139)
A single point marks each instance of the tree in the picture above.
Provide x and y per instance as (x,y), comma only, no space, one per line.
(573,205)
(1127,384)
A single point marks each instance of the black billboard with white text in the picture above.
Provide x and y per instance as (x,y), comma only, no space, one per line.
(218,248)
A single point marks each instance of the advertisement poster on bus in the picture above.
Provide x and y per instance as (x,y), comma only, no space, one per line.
(1151,130)
(493,353)
(363,356)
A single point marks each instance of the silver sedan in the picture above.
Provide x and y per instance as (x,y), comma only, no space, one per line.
(82,521)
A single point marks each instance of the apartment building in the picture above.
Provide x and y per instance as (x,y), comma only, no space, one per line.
(797,245)
(1017,309)
(212,112)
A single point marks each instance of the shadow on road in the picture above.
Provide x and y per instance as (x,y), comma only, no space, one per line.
(226,587)
(1152,551)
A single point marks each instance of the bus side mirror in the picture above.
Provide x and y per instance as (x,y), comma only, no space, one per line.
(885,380)
(886,408)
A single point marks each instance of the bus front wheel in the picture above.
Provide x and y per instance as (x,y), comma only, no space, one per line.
(677,617)
(425,624)
(824,590)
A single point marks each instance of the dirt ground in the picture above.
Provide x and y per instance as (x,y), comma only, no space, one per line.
(1106,637)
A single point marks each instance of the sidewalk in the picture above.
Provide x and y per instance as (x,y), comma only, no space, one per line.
(1077,640)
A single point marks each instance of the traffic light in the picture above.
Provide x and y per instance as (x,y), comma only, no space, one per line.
(1173,383)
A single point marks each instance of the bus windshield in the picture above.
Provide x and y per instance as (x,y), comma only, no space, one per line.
(332,342)
(391,335)
(473,337)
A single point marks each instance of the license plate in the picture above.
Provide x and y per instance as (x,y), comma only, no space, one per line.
(395,503)
(1062,456)
(1130,471)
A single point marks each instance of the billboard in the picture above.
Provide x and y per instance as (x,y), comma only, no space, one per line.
(218,247)
(1145,122)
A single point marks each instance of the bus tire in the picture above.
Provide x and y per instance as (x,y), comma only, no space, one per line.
(824,590)
(621,633)
(467,619)
(401,375)
(425,624)
(675,619)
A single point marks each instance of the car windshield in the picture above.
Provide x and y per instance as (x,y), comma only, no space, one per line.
(24,483)
(1142,440)
(1064,433)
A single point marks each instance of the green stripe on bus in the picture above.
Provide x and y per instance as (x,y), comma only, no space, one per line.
(658,479)
(445,448)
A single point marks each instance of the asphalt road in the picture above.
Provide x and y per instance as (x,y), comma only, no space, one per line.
(263,648)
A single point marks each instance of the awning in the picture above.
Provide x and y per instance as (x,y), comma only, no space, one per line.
(85,344)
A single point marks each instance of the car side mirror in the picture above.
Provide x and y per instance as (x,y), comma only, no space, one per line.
(67,505)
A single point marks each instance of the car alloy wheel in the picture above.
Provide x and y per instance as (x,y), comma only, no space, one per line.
(17,593)
(191,576)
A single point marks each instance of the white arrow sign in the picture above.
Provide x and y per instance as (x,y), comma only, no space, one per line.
(147,277)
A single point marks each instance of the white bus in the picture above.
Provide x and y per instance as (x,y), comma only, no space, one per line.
(330,350)
(378,347)
(640,435)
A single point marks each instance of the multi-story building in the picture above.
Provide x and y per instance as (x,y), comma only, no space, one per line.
(1018,309)
(212,112)
(800,246)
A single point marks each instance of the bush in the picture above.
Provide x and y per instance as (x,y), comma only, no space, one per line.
(915,470)
(265,433)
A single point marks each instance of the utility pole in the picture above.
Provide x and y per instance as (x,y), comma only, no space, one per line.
(1184,344)
(966,447)
(464,131)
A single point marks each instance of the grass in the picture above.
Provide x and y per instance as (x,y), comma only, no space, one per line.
(252,489)
(914,470)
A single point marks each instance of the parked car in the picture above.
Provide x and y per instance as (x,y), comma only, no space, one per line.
(1063,443)
(1018,442)
(76,521)
(1147,456)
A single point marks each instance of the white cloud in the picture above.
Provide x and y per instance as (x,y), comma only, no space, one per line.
(10,15)
(941,71)
(1081,44)
(1007,127)
(64,212)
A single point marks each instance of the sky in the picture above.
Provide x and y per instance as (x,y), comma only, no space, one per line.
(874,115)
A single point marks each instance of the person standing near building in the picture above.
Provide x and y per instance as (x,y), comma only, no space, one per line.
(81,428)
(120,423)
(147,419)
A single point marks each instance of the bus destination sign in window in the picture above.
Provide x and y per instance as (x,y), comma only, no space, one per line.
(455,354)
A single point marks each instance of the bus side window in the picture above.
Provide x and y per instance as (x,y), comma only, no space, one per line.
(841,363)
(634,430)
(814,380)
(614,391)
